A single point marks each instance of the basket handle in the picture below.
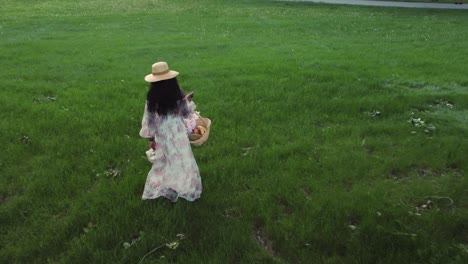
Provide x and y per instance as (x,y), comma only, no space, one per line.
(199,117)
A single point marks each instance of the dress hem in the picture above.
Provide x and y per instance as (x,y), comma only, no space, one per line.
(175,200)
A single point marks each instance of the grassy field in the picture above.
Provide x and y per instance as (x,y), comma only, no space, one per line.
(340,134)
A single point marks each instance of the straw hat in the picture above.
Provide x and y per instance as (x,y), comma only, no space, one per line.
(160,71)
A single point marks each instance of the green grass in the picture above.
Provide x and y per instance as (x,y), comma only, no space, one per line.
(311,158)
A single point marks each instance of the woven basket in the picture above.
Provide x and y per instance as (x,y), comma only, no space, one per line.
(206,123)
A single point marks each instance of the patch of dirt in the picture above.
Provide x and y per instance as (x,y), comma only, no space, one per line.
(428,172)
(262,239)
(400,173)
(425,172)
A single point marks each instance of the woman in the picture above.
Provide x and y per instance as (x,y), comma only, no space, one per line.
(174,172)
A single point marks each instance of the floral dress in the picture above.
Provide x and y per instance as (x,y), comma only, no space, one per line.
(174,172)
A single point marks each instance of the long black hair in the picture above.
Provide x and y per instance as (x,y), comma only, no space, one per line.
(163,97)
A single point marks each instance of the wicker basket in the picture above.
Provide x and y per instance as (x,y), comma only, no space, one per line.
(206,123)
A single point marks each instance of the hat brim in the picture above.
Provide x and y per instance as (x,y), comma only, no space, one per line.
(155,78)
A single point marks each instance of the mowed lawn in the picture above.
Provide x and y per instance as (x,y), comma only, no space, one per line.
(340,134)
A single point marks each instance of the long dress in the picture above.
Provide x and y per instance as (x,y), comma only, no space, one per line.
(176,173)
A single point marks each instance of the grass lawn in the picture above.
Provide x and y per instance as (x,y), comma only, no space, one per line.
(340,134)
